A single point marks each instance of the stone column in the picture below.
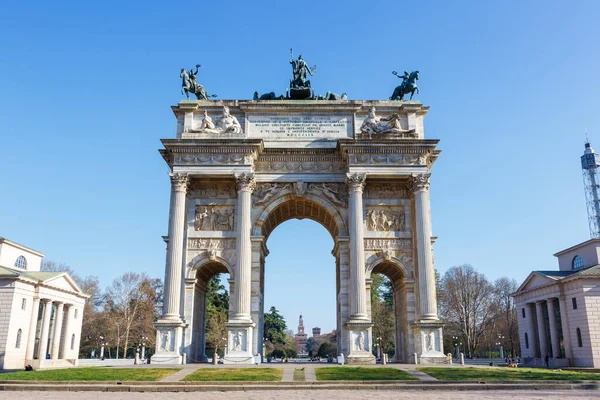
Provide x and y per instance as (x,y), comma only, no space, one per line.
(173,270)
(43,347)
(58,321)
(358,295)
(541,326)
(67,335)
(553,329)
(243,280)
(564,320)
(32,329)
(426,274)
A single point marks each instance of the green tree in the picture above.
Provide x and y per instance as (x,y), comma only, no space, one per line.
(275,326)
(382,312)
(327,349)
(217,314)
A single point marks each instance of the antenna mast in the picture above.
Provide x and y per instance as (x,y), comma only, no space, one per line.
(590,165)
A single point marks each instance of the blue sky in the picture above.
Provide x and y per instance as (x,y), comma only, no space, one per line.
(86,90)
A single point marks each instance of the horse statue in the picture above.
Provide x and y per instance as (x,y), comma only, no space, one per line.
(333,96)
(190,85)
(408,85)
(267,96)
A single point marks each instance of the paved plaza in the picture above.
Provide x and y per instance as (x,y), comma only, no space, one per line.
(313,394)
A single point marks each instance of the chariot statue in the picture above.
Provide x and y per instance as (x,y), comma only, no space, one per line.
(300,84)
(408,85)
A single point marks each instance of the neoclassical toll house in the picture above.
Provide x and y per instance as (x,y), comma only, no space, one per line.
(40,312)
(241,168)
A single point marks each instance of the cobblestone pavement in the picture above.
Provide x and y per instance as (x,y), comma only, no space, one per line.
(312,394)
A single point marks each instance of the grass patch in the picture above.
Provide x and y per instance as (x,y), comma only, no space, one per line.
(91,374)
(362,374)
(299,375)
(235,374)
(506,374)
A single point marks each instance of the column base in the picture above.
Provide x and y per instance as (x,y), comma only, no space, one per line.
(359,334)
(169,342)
(429,342)
(239,343)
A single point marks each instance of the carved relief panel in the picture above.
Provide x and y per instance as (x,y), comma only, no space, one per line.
(214,218)
(386,191)
(212,190)
(385,219)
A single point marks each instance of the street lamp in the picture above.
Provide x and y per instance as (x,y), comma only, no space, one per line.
(101,347)
(379,348)
(144,338)
(455,339)
(500,340)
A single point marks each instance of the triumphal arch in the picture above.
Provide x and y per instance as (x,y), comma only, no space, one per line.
(240,168)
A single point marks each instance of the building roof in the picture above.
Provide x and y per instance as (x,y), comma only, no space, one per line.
(556,276)
(577,246)
(20,246)
(40,277)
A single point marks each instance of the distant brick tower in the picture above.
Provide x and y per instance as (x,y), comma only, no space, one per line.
(301,338)
(316,331)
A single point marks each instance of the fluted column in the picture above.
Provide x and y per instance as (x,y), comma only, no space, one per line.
(541,326)
(43,348)
(427,299)
(564,320)
(58,320)
(358,297)
(553,329)
(32,329)
(173,270)
(243,279)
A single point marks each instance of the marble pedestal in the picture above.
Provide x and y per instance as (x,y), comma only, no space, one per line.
(239,343)
(429,342)
(360,343)
(169,336)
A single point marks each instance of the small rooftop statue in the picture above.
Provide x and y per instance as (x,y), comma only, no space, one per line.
(190,85)
(374,124)
(408,85)
(300,85)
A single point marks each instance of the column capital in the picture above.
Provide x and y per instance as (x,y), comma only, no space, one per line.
(178,181)
(245,182)
(419,182)
(356,182)
(46,300)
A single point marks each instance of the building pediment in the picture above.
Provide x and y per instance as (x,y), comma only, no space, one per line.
(536,280)
(64,282)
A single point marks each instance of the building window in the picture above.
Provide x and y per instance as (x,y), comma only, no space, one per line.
(577,262)
(526,341)
(23,304)
(579,341)
(18,344)
(523,312)
(73,342)
(21,262)
(76,313)
(574,303)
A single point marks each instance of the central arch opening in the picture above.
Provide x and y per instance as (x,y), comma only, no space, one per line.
(300,277)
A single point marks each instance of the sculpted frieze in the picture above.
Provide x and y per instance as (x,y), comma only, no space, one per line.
(300,166)
(386,191)
(214,218)
(212,159)
(388,244)
(385,220)
(223,190)
(387,159)
(211,244)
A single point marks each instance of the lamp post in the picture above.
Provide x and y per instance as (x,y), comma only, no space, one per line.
(379,348)
(101,347)
(455,339)
(500,340)
(144,338)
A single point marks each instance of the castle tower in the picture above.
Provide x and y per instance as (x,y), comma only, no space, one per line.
(590,161)
(301,337)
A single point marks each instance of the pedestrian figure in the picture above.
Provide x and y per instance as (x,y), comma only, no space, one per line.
(547,360)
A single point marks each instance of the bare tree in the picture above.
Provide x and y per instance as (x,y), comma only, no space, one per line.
(126,299)
(216,332)
(467,298)
(507,321)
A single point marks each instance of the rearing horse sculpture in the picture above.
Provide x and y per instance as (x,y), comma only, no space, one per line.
(190,85)
(408,85)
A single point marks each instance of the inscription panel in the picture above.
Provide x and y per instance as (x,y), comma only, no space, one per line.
(299,126)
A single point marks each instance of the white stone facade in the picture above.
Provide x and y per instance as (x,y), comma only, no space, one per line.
(558,310)
(300,159)
(40,312)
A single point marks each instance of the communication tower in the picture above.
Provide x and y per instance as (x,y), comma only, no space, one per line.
(590,163)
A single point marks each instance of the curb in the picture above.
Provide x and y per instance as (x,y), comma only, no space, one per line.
(213,387)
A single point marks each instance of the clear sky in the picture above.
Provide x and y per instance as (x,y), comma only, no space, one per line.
(86,90)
